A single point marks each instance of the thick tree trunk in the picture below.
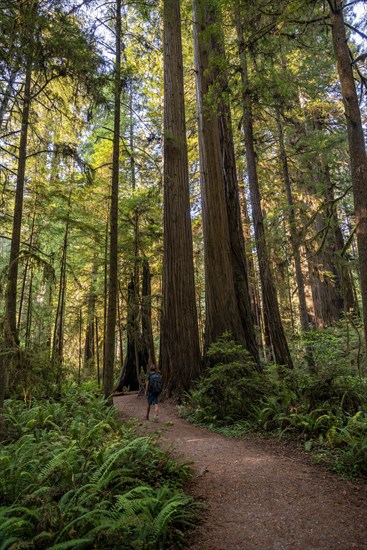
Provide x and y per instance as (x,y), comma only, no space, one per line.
(222,308)
(179,352)
(357,147)
(238,257)
(109,356)
(270,302)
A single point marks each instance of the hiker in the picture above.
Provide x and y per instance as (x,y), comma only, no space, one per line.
(153,389)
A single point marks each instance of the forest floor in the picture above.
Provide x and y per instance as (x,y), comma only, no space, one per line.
(259,494)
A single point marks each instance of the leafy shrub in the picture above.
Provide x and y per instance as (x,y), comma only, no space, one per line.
(72,476)
(326,409)
(230,389)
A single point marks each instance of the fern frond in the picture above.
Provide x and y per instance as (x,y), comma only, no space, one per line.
(76,543)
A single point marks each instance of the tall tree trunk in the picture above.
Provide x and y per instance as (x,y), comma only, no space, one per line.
(270,302)
(129,376)
(335,242)
(58,334)
(109,357)
(294,239)
(357,147)
(97,351)
(9,337)
(180,351)
(147,342)
(105,288)
(11,292)
(27,338)
(89,346)
(238,257)
(26,268)
(222,308)
(121,334)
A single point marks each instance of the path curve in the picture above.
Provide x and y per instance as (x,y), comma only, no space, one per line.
(261,495)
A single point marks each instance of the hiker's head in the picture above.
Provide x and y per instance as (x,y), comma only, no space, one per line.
(153,369)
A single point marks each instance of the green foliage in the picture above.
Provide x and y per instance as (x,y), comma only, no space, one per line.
(327,409)
(230,388)
(72,476)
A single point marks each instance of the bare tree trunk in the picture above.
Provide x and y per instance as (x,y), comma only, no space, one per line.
(109,357)
(58,335)
(357,147)
(105,291)
(148,353)
(27,338)
(294,238)
(25,273)
(238,257)
(223,313)
(180,351)
(121,338)
(129,374)
(97,352)
(80,354)
(11,292)
(10,340)
(89,347)
(270,302)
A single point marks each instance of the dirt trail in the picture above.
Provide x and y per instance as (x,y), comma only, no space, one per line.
(260,495)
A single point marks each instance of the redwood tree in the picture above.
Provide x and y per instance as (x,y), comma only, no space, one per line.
(109,354)
(356,141)
(271,308)
(180,352)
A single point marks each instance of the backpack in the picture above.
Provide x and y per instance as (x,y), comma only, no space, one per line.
(155,384)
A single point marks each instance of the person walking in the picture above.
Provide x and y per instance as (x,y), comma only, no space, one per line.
(153,390)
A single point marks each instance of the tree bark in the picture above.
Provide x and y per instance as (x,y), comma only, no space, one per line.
(238,257)
(357,147)
(221,299)
(129,374)
(89,346)
(9,338)
(11,292)
(179,351)
(147,343)
(294,239)
(58,333)
(109,357)
(270,302)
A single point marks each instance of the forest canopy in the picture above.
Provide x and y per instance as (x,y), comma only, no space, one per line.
(171,173)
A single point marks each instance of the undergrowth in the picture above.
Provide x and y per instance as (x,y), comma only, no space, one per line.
(73,476)
(326,410)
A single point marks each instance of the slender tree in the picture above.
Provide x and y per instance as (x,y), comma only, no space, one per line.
(109,355)
(273,321)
